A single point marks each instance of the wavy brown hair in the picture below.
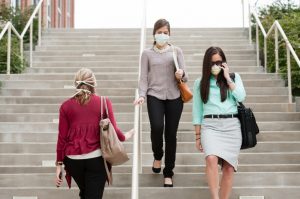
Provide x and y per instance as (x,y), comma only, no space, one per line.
(206,73)
(88,76)
(159,24)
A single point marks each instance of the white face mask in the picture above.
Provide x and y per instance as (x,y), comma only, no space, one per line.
(215,69)
(161,39)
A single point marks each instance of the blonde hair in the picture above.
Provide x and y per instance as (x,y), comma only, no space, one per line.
(85,83)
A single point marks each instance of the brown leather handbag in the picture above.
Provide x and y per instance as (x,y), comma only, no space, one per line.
(185,92)
(112,149)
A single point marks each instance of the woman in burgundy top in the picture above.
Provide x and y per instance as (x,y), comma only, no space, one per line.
(78,144)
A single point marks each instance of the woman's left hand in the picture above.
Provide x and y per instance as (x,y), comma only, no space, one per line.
(226,70)
(179,74)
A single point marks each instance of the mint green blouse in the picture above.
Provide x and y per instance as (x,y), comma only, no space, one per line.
(214,104)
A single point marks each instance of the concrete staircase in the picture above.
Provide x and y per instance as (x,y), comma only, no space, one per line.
(29,110)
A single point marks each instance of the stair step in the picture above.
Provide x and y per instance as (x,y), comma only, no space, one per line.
(157,192)
(182,147)
(245,179)
(182,136)
(117,76)
(127,91)
(125,117)
(115,52)
(128,107)
(114,84)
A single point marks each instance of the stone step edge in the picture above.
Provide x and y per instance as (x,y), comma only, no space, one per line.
(148,153)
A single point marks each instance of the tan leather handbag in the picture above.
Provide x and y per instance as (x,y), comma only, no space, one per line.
(112,148)
(185,92)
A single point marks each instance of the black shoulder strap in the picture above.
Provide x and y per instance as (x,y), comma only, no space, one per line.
(232,76)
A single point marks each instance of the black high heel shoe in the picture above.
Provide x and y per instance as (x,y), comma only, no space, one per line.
(168,185)
(155,170)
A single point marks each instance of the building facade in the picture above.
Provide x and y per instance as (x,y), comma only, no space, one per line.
(55,13)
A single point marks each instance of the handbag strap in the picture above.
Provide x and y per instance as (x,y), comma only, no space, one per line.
(103,103)
(175,61)
(232,76)
(175,58)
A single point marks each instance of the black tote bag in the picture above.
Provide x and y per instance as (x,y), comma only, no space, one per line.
(249,126)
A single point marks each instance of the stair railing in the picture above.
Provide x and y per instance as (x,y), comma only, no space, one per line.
(289,49)
(137,147)
(8,27)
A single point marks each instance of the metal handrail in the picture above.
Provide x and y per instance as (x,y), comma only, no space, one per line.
(137,156)
(289,49)
(9,27)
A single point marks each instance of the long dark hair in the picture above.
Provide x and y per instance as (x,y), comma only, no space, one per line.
(159,24)
(206,73)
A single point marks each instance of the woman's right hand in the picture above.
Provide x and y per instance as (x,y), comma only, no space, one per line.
(198,145)
(139,101)
(129,134)
(58,180)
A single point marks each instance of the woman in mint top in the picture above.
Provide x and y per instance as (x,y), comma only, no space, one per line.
(217,128)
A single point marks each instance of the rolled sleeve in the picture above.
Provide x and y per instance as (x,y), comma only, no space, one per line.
(143,83)
(197,104)
(239,92)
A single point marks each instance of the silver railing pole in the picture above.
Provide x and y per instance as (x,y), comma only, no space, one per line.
(276,50)
(257,45)
(8,49)
(40,27)
(288,60)
(265,54)
(250,27)
(137,148)
(243,13)
(30,44)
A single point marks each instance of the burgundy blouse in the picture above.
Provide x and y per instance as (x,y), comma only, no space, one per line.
(79,127)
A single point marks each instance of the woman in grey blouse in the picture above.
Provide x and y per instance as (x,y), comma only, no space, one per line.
(158,84)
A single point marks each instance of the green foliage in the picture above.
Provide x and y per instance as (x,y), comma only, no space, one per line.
(16,62)
(288,15)
(18,18)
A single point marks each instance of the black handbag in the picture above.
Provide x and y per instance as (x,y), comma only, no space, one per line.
(249,126)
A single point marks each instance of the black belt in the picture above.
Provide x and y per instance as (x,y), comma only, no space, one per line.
(221,116)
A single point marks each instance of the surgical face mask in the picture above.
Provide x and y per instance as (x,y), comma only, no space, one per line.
(215,69)
(161,39)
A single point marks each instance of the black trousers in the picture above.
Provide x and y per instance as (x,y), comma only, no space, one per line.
(89,175)
(164,116)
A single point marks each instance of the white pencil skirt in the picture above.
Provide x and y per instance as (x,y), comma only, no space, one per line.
(222,138)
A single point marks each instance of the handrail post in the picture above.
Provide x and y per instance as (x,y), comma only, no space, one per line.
(250,27)
(30,41)
(265,54)
(8,48)
(288,60)
(40,27)
(22,51)
(276,50)
(136,148)
(243,13)
(257,45)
